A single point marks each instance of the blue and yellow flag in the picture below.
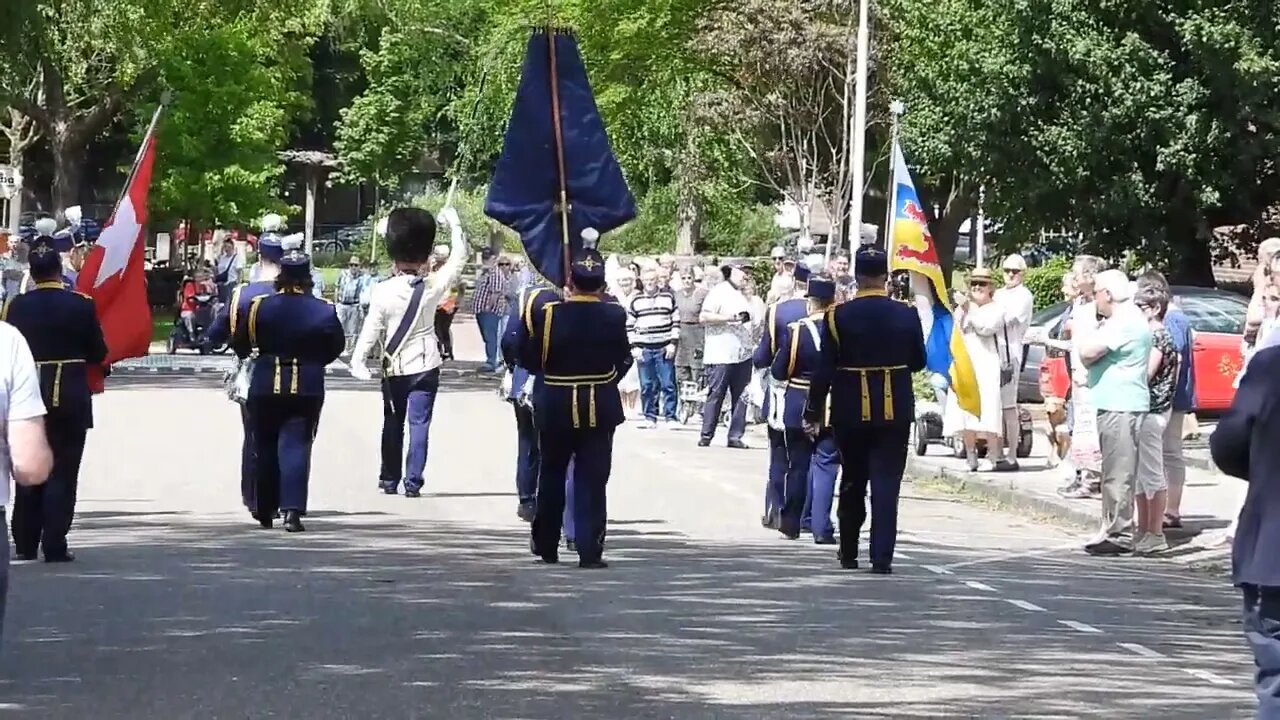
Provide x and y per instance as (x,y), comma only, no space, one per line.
(555,125)
(913,249)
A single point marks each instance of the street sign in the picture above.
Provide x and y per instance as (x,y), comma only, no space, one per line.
(10,181)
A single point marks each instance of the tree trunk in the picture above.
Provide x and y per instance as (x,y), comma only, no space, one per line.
(689,217)
(946,231)
(68,170)
(1193,263)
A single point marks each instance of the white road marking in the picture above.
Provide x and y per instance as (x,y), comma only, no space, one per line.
(979,586)
(937,570)
(1142,650)
(1207,676)
(1024,605)
(1075,625)
(901,555)
(1012,555)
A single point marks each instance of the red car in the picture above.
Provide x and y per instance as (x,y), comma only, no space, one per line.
(1217,322)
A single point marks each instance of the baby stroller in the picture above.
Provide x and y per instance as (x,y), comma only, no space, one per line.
(205,307)
(928,429)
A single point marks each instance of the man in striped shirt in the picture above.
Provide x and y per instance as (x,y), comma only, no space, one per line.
(653,325)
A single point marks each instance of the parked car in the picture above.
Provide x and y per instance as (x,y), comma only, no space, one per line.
(1217,319)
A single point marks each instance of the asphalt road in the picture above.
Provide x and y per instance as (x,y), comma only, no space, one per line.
(179,607)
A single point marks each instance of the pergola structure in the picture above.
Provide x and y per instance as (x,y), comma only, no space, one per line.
(316,167)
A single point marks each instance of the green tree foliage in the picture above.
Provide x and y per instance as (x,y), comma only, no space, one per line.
(73,67)
(233,97)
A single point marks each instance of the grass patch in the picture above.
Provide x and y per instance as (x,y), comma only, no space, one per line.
(160,326)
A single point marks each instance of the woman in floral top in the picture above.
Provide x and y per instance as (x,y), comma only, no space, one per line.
(1162,377)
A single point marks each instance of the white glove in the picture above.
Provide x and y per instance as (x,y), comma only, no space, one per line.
(449,216)
(360,372)
(637,353)
(506,384)
(669,351)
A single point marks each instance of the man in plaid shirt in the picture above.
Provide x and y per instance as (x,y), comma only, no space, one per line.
(490,304)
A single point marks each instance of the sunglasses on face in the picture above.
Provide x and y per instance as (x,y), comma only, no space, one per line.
(979,285)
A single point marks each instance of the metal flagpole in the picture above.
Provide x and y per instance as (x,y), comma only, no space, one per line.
(896,108)
(142,148)
(858,131)
(980,230)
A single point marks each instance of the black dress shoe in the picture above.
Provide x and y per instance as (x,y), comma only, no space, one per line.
(526,511)
(25,557)
(881,569)
(789,533)
(60,558)
(593,564)
(738,445)
(412,493)
(293,522)
(704,442)
(825,540)
(389,490)
(550,558)
(267,522)
(848,564)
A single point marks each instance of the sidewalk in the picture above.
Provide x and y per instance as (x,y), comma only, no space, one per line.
(1210,499)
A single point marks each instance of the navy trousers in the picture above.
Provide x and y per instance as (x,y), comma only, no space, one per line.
(872,456)
(284,429)
(795,490)
(1262,629)
(822,485)
(777,472)
(248,464)
(591,453)
(42,514)
(412,399)
(528,457)
(730,380)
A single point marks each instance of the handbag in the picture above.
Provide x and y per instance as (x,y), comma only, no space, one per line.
(1006,362)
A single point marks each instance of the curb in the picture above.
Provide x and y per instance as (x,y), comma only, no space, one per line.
(1003,491)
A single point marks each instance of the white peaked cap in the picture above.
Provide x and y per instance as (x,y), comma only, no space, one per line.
(589,237)
(292,242)
(73,215)
(272,222)
(46,227)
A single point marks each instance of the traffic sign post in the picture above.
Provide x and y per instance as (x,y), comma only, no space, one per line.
(11,193)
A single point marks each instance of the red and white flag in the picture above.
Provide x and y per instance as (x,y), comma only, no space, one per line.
(113,273)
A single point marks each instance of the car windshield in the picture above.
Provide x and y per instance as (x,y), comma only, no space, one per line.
(1215,313)
(1049,314)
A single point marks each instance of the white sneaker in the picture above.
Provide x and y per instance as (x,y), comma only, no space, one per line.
(649,425)
(1150,544)
(670,425)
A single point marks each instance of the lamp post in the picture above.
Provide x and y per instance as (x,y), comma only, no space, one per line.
(858,129)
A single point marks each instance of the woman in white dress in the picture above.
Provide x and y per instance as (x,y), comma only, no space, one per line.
(980,320)
(624,288)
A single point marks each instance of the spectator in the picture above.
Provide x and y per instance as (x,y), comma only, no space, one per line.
(227,269)
(449,305)
(846,286)
(1086,454)
(1116,356)
(1162,378)
(726,317)
(980,320)
(667,269)
(1174,462)
(25,457)
(347,299)
(653,324)
(689,350)
(490,304)
(1263,276)
(1017,304)
(629,386)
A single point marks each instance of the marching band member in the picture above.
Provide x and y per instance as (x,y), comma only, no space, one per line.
(517,387)
(229,317)
(62,328)
(295,335)
(401,320)
(789,308)
(810,461)
(871,345)
(579,350)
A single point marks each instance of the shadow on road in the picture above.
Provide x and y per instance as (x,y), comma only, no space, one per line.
(174,617)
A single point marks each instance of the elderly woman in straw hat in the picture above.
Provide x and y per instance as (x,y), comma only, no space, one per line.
(981,321)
